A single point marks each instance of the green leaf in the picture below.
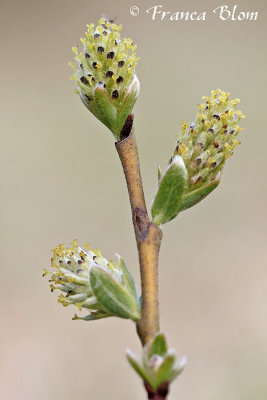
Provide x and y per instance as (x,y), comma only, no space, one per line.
(165,370)
(158,346)
(192,198)
(138,367)
(166,203)
(128,278)
(113,296)
(107,112)
(128,104)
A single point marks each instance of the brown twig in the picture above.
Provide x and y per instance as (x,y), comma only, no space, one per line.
(148,237)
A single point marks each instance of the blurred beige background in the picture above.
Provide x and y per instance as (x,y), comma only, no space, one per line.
(61,179)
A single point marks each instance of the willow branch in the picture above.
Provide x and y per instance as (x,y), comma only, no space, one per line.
(148,238)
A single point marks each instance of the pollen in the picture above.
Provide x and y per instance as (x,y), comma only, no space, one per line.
(106,63)
(70,274)
(104,55)
(215,129)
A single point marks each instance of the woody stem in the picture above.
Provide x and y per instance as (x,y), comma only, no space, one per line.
(148,239)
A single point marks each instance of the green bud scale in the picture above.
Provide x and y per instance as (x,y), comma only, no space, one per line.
(90,281)
(107,83)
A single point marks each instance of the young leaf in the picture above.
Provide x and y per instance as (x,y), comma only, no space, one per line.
(106,109)
(128,103)
(159,173)
(165,370)
(93,316)
(170,190)
(138,367)
(158,346)
(112,295)
(129,282)
(192,198)
(178,368)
